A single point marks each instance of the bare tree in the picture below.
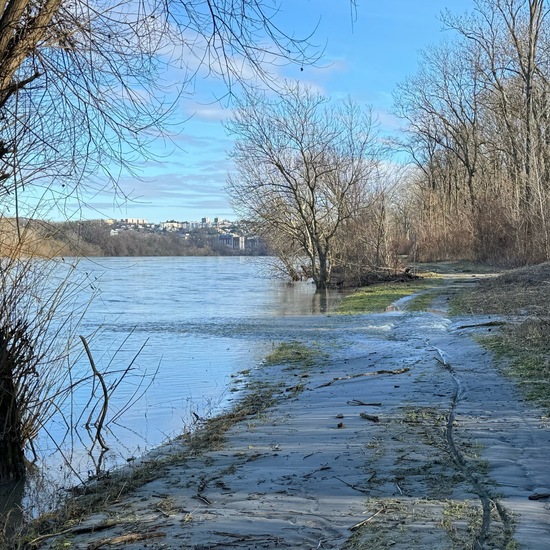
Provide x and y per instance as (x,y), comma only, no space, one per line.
(82,97)
(82,84)
(513,42)
(303,169)
(478,116)
(441,104)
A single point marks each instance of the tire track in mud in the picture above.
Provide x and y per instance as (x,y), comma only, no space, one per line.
(484,495)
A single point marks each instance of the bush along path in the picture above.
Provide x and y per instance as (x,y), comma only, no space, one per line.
(395,430)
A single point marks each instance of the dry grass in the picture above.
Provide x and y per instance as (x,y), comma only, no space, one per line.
(523,344)
(524,291)
(212,434)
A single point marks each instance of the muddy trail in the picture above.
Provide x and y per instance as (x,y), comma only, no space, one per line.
(402,434)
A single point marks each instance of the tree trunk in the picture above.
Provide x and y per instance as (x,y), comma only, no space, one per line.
(323,275)
(12,457)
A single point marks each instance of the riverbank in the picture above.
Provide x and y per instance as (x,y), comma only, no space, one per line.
(400,433)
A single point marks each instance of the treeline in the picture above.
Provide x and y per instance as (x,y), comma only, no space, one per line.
(478,114)
(94,238)
(468,177)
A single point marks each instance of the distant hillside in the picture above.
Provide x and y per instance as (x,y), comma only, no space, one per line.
(29,238)
(97,238)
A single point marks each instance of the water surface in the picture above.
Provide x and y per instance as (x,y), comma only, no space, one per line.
(193,323)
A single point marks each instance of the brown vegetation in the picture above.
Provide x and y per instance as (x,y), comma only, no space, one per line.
(478,123)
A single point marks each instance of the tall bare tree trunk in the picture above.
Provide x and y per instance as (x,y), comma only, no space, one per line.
(322,280)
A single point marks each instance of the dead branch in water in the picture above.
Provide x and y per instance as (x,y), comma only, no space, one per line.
(101,419)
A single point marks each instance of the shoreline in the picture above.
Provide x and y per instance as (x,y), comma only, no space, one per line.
(405,435)
(392,442)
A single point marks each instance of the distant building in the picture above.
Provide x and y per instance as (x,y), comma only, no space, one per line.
(252,243)
(134,221)
(235,242)
(226,240)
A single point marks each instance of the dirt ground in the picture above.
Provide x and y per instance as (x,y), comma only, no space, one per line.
(404,435)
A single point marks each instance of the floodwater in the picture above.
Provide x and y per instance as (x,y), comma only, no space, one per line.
(186,325)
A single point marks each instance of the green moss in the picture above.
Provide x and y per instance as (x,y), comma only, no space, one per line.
(423,301)
(378,298)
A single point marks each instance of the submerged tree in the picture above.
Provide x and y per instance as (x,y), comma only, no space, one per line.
(304,166)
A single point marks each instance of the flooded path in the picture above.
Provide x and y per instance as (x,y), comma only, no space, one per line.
(404,436)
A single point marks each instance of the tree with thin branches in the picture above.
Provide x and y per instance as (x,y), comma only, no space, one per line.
(304,166)
(86,87)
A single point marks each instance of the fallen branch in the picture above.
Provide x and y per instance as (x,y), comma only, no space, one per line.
(370,417)
(36,543)
(363,404)
(487,324)
(373,373)
(539,496)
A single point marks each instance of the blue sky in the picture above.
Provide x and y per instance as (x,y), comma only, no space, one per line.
(365,58)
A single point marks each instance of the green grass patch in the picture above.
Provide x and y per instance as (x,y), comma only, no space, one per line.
(525,352)
(423,301)
(379,297)
(294,354)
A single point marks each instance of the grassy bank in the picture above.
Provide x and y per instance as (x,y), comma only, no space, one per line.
(523,344)
(377,298)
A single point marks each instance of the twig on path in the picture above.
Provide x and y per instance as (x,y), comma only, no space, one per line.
(361,523)
(202,498)
(123,539)
(237,540)
(354,487)
(321,469)
(371,417)
(373,373)
(363,404)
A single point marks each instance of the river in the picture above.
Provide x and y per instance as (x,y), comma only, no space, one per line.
(194,323)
